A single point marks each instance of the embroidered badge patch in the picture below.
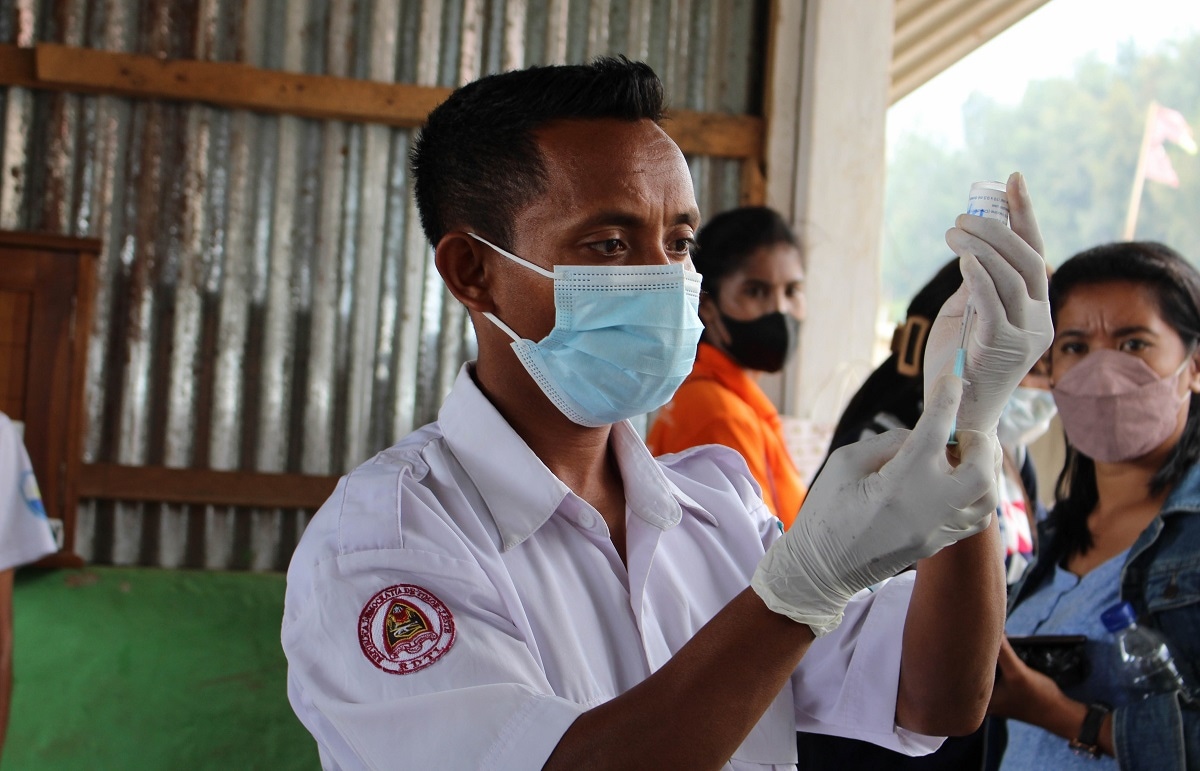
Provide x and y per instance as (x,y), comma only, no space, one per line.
(404,629)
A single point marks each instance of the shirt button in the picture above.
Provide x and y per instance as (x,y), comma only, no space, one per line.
(586,519)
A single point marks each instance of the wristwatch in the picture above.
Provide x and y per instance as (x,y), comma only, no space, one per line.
(1088,741)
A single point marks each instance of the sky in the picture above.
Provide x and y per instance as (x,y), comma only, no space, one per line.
(1046,43)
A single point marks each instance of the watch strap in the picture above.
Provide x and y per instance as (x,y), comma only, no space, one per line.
(1088,741)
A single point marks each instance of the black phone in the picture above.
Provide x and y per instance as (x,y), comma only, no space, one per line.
(1061,657)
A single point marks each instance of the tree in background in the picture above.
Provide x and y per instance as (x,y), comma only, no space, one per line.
(1077,141)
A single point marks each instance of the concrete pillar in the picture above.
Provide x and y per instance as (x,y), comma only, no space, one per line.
(826,107)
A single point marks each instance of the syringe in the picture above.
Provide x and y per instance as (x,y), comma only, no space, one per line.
(960,359)
(986,199)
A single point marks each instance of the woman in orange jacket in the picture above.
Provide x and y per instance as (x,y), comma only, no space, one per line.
(752,303)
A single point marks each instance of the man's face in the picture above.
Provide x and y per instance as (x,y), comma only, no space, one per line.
(617,193)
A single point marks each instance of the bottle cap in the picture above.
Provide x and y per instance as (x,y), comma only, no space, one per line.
(1118,617)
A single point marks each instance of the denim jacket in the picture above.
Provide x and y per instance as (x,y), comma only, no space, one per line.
(1161,578)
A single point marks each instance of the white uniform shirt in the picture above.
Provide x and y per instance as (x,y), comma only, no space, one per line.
(454,605)
(25,533)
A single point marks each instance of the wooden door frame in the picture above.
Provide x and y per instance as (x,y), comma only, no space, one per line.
(59,327)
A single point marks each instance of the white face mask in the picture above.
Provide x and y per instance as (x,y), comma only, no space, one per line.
(1026,416)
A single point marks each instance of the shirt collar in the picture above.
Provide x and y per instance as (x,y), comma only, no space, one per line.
(648,492)
(520,492)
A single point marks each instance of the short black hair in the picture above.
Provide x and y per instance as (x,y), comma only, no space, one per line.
(723,244)
(476,162)
(1175,284)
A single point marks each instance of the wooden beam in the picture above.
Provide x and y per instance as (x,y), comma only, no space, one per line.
(231,84)
(716,134)
(49,241)
(16,67)
(238,86)
(110,481)
(753,188)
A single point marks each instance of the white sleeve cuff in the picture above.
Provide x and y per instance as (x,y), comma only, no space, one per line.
(503,726)
(531,736)
(848,681)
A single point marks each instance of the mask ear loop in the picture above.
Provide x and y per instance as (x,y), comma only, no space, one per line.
(503,327)
(513,257)
(535,268)
(1188,359)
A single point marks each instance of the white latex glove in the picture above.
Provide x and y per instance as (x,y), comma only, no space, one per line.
(878,506)
(1005,276)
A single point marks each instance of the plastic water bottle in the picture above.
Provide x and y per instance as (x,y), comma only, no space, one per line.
(1144,657)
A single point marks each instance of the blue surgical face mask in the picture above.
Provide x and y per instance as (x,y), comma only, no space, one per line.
(624,338)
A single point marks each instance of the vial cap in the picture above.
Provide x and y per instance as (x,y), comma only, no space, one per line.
(1118,617)
(997,186)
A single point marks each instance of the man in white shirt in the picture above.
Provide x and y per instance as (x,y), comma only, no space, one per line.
(25,536)
(521,585)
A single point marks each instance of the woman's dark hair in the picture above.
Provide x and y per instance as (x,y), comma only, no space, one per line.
(1176,288)
(897,386)
(723,244)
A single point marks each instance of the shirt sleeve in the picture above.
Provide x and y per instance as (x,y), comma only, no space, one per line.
(848,682)
(404,658)
(25,534)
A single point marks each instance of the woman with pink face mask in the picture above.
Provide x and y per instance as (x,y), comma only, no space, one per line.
(1125,373)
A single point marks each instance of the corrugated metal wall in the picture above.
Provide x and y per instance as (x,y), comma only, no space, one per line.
(266,300)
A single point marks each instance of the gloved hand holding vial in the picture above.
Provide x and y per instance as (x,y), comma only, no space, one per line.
(993,329)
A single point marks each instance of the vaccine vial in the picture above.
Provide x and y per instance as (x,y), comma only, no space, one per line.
(990,200)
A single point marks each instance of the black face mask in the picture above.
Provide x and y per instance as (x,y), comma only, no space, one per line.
(765,343)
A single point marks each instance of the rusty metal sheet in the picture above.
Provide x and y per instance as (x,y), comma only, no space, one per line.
(265,297)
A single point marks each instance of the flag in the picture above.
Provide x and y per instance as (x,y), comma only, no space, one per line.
(1167,125)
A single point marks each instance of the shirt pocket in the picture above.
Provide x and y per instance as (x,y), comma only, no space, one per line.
(1173,585)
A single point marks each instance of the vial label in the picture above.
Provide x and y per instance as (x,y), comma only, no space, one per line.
(988,199)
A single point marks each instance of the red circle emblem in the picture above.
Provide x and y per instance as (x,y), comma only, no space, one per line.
(404,629)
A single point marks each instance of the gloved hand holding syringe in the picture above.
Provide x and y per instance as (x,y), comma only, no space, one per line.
(886,502)
(1004,295)
(988,200)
